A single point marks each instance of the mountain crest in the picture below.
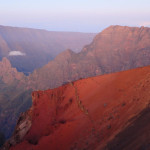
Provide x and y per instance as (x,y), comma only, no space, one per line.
(8,74)
(5,63)
(67,54)
(87,114)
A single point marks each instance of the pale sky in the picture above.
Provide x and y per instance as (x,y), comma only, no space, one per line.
(74,15)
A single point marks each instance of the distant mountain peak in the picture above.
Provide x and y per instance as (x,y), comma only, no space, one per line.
(68,51)
(8,74)
(114,28)
(5,62)
(65,54)
(119,28)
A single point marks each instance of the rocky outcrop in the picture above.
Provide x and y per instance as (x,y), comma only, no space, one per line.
(88,113)
(8,74)
(22,128)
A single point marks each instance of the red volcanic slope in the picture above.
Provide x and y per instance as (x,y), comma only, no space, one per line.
(85,114)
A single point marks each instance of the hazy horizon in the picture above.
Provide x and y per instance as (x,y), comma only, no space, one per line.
(74,16)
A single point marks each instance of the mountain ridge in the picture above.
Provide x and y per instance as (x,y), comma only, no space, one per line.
(78,117)
(106,54)
(8,74)
(37,47)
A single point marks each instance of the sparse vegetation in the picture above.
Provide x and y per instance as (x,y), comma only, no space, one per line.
(105,104)
(62,121)
(109,126)
(123,104)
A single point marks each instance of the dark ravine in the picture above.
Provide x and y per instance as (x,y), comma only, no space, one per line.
(15,96)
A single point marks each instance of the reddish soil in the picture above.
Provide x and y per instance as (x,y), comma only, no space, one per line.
(86,114)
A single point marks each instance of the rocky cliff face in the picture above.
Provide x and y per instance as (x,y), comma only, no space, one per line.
(120,47)
(87,114)
(115,49)
(8,74)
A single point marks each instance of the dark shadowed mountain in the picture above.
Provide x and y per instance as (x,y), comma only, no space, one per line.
(15,96)
(109,112)
(28,49)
